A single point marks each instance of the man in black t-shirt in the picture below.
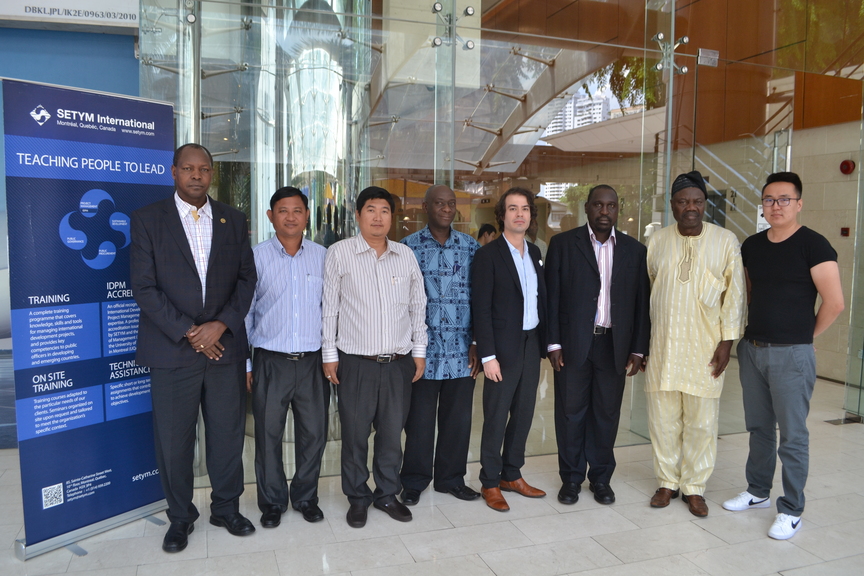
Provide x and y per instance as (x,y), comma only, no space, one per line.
(786,267)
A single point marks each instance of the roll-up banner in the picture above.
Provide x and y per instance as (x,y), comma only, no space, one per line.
(75,166)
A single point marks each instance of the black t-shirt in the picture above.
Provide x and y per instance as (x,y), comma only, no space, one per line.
(782,293)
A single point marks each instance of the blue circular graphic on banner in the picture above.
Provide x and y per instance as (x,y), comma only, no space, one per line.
(89,204)
(76,239)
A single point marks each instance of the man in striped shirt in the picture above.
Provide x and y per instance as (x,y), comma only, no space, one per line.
(284,327)
(373,347)
(598,331)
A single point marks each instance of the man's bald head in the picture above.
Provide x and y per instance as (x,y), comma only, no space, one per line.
(436,189)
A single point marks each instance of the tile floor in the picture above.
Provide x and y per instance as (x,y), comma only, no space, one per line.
(537,537)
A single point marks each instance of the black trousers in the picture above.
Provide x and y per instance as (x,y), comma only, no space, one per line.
(219,390)
(508,409)
(453,400)
(587,411)
(277,383)
(372,394)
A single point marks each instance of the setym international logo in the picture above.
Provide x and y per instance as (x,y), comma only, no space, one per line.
(40,115)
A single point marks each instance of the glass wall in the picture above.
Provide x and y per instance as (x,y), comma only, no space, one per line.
(550,95)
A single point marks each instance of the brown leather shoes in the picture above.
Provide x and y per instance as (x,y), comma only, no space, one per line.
(662,497)
(494,499)
(521,487)
(697,504)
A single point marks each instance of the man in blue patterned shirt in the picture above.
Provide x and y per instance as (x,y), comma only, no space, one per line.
(445,257)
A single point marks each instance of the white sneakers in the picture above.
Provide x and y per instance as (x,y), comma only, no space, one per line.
(746,501)
(784,527)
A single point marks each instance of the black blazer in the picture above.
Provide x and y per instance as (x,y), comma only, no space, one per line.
(573,282)
(497,301)
(166,286)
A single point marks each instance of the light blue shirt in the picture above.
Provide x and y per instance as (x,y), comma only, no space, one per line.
(285,315)
(528,280)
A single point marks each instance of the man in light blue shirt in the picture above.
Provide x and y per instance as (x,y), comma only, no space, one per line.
(284,327)
(509,307)
(447,387)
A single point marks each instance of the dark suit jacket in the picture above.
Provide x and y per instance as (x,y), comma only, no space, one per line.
(166,286)
(497,301)
(573,283)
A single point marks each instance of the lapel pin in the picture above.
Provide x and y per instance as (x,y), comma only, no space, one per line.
(222,220)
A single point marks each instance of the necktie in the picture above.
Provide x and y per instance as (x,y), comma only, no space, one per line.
(195,214)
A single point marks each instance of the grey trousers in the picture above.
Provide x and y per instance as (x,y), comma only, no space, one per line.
(777,384)
(372,395)
(279,382)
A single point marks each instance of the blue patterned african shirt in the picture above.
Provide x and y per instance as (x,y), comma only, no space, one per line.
(447,275)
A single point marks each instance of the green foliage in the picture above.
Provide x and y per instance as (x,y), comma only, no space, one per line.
(821,36)
(574,197)
(633,81)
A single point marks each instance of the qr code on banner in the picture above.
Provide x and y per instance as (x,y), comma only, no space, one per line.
(52,496)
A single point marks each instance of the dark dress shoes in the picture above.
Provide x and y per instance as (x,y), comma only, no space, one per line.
(311,512)
(356,516)
(697,504)
(272,517)
(177,536)
(569,493)
(662,497)
(410,497)
(462,492)
(602,493)
(395,509)
(235,523)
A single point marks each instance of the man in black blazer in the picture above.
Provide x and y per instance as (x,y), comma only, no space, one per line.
(598,330)
(509,307)
(193,276)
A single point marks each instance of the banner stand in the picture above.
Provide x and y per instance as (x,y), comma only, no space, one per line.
(75,164)
(24,552)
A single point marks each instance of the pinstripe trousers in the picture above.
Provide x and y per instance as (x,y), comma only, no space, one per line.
(683,431)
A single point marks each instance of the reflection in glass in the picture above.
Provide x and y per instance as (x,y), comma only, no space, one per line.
(315,91)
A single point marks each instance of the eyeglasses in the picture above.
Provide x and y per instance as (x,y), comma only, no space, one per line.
(768,202)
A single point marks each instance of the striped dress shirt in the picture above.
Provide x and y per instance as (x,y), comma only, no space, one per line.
(199,233)
(285,315)
(372,305)
(604,252)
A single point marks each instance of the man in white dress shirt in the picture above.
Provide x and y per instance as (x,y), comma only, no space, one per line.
(374,347)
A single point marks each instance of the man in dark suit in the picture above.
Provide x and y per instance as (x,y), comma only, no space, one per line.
(193,276)
(598,332)
(509,307)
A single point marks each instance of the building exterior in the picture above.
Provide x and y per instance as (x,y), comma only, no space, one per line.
(581,110)
(555,190)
